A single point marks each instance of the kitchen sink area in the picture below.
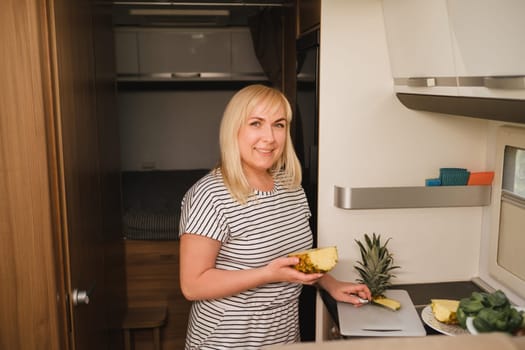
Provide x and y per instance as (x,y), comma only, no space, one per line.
(420,294)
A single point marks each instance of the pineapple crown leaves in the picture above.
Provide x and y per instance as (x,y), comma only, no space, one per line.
(376,265)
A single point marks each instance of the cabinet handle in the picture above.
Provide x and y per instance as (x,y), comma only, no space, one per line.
(426,81)
(185,75)
(421,82)
(505,83)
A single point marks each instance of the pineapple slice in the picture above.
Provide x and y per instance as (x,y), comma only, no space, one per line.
(316,260)
(392,304)
(444,310)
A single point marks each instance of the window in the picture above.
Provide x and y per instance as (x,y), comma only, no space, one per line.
(507,237)
(512,212)
(514,172)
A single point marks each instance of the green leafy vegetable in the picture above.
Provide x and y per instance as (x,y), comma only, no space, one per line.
(492,312)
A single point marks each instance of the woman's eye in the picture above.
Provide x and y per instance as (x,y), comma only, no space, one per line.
(280,125)
(255,123)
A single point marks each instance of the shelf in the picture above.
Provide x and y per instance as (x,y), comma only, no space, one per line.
(184,85)
(411,197)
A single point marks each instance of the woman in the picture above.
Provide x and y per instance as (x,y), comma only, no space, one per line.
(238,224)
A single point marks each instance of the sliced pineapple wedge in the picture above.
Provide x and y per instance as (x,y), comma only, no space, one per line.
(316,260)
(444,310)
(392,304)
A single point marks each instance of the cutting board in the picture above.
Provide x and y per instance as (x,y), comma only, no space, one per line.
(377,321)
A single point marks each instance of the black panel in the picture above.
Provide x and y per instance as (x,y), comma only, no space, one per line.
(507,110)
(194,85)
(306,145)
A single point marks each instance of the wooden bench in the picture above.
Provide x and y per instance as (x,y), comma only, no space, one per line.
(144,318)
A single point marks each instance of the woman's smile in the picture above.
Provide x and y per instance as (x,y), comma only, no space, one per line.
(264,151)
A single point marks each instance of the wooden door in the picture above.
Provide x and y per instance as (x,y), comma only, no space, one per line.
(77,150)
(87,131)
(59,175)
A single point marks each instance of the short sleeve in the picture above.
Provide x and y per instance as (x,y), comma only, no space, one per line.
(201,213)
(306,206)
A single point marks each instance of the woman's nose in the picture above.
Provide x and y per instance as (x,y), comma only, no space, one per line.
(268,133)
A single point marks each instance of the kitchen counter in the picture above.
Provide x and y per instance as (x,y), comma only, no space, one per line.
(488,341)
(420,295)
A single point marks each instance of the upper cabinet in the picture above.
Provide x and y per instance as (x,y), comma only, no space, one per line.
(457,47)
(126,47)
(488,47)
(184,51)
(245,64)
(420,46)
(186,54)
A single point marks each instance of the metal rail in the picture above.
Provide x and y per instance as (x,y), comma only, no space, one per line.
(208,4)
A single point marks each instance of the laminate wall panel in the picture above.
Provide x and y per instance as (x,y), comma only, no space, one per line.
(30,297)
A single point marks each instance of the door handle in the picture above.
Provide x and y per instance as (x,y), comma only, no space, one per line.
(81,296)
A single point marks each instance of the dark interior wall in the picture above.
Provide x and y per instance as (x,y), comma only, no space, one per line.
(170,129)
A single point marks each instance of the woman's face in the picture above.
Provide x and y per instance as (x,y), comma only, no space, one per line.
(261,139)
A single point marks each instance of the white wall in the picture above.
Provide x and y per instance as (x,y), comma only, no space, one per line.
(172,129)
(367,139)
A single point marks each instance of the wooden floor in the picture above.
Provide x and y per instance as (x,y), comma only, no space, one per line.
(152,276)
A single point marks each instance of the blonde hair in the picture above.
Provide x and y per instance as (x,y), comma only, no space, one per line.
(238,109)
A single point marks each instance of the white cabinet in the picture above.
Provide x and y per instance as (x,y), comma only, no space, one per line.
(199,54)
(420,46)
(458,47)
(126,47)
(488,38)
(245,64)
(184,51)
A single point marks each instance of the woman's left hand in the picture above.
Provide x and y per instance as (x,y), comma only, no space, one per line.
(347,292)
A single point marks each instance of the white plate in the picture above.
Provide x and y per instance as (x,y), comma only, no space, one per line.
(470,325)
(449,329)
(470,321)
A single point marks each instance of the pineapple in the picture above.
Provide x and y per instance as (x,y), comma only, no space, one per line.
(444,310)
(316,260)
(375,269)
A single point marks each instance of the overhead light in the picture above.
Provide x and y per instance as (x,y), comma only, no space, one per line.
(176,12)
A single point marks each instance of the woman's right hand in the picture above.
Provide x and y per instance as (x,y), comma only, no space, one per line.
(282,270)
(201,280)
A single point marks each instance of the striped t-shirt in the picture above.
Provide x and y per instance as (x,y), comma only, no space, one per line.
(270,225)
